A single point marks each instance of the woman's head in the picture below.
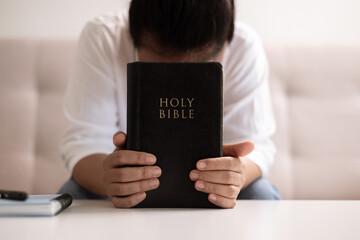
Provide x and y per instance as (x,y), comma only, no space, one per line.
(182,29)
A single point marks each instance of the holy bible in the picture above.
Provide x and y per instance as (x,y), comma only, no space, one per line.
(175,111)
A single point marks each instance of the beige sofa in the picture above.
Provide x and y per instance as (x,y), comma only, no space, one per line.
(316,98)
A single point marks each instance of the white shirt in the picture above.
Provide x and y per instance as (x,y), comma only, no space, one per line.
(95,102)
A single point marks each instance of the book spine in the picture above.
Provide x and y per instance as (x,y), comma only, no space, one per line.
(133,108)
(65,200)
(221,100)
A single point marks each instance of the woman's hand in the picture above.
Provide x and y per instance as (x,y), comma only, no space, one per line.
(223,177)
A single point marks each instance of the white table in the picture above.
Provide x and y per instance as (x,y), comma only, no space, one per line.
(248,220)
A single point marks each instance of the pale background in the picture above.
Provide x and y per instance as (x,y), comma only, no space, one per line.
(294,21)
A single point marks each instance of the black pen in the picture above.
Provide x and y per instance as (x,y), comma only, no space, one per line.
(13,195)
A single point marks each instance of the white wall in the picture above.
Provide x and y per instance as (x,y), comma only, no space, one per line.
(320,21)
(51,18)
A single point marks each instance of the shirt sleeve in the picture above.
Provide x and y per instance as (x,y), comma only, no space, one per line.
(247,105)
(90,104)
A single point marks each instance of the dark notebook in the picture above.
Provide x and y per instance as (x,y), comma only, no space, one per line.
(175,111)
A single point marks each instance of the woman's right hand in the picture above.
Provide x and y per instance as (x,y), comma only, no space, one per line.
(126,186)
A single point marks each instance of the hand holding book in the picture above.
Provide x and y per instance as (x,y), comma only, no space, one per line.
(129,174)
(223,177)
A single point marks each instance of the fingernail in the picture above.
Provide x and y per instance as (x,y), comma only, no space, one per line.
(153,182)
(141,196)
(213,197)
(150,159)
(194,175)
(156,172)
(200,185)
(202,165)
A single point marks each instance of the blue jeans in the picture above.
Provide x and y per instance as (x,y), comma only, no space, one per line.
(260,189)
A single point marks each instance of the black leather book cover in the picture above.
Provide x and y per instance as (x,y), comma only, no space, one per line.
(65,201)
(175,111)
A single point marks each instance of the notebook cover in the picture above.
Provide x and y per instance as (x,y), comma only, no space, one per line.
(65,201)
(36,205)
(175,111)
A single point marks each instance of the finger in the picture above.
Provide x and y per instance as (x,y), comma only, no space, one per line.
(129,201)
(221,177)
(222,201)
(125,189)
(222,163)
(131,174)
(228,191)
(127,157)
(119,140)
(238,149)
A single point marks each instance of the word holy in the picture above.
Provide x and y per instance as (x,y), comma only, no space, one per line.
(176,108)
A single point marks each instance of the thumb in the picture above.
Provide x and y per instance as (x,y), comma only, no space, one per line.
(119,140)
(238,149)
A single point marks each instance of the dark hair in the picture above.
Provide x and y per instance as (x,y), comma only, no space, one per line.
(182,25)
